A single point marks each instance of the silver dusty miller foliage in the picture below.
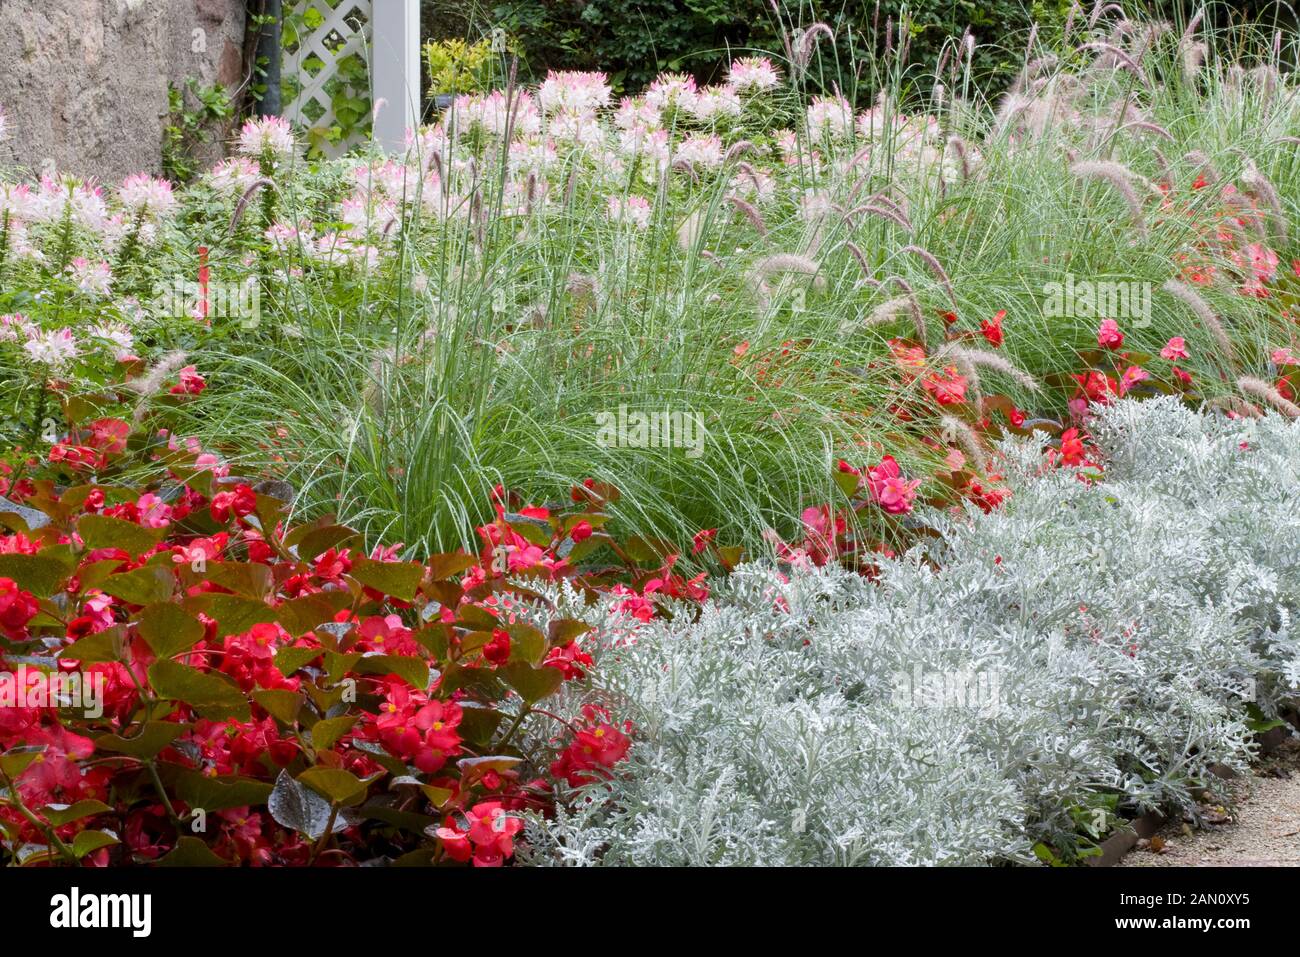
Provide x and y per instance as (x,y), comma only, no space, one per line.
(1083,641)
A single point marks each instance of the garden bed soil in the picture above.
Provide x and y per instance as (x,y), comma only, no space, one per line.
(1260,829)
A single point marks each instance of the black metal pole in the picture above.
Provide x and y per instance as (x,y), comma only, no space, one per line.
(268,54)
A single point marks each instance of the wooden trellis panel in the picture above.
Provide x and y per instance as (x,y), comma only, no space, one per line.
(347,21)
(384,34)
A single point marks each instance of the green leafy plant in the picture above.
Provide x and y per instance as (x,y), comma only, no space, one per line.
(455,66)
(188,126)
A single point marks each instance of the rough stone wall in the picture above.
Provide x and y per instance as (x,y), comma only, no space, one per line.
(83,83)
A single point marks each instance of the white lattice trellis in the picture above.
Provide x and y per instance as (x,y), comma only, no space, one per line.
(385,35)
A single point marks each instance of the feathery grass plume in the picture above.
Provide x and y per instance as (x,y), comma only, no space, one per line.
(1069,22)
(1166,171)
(750,213)
(1113,8)
(1237,405)
(899,207)
(904,38)
(1267,392)
(1066,87)
(1203,166)
(748,171)
(914,307)
(1148,34)
(738,149)
(1229,224)
(1233,79)
(856,188)
(863,154)
(1044,115)
(889,310)
(982,358)
(956,432)
(884,199)
(1023,79)
(790,262)
(806,42)
(936,267)
(1266,79)
(476,218)
(1259,188)
(883,213)
(1035,87)
(1118,176)
(153,381)
(1113,57)
(852,247)
(1192,55)
(244,200)
(958,146)
(435,163)
(1192,24)
(816,213)
(969,370)
(373,394)
(688,233)
(1127,112)
(1245,211)
(1120,30)
(683,165)
(1201,309)
(1009,110)
(530,192)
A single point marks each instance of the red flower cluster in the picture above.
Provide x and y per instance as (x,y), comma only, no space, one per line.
(599,746)
(233,657)
(17,608)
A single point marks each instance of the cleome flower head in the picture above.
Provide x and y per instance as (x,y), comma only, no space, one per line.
(266,135)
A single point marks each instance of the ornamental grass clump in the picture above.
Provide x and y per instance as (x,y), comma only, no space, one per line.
(808,271)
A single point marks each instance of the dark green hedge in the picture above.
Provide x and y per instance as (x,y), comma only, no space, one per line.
(633,40)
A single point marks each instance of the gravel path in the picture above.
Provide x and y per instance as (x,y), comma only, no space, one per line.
(1262,830)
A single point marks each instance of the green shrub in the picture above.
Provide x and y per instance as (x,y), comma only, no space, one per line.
(633,40)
